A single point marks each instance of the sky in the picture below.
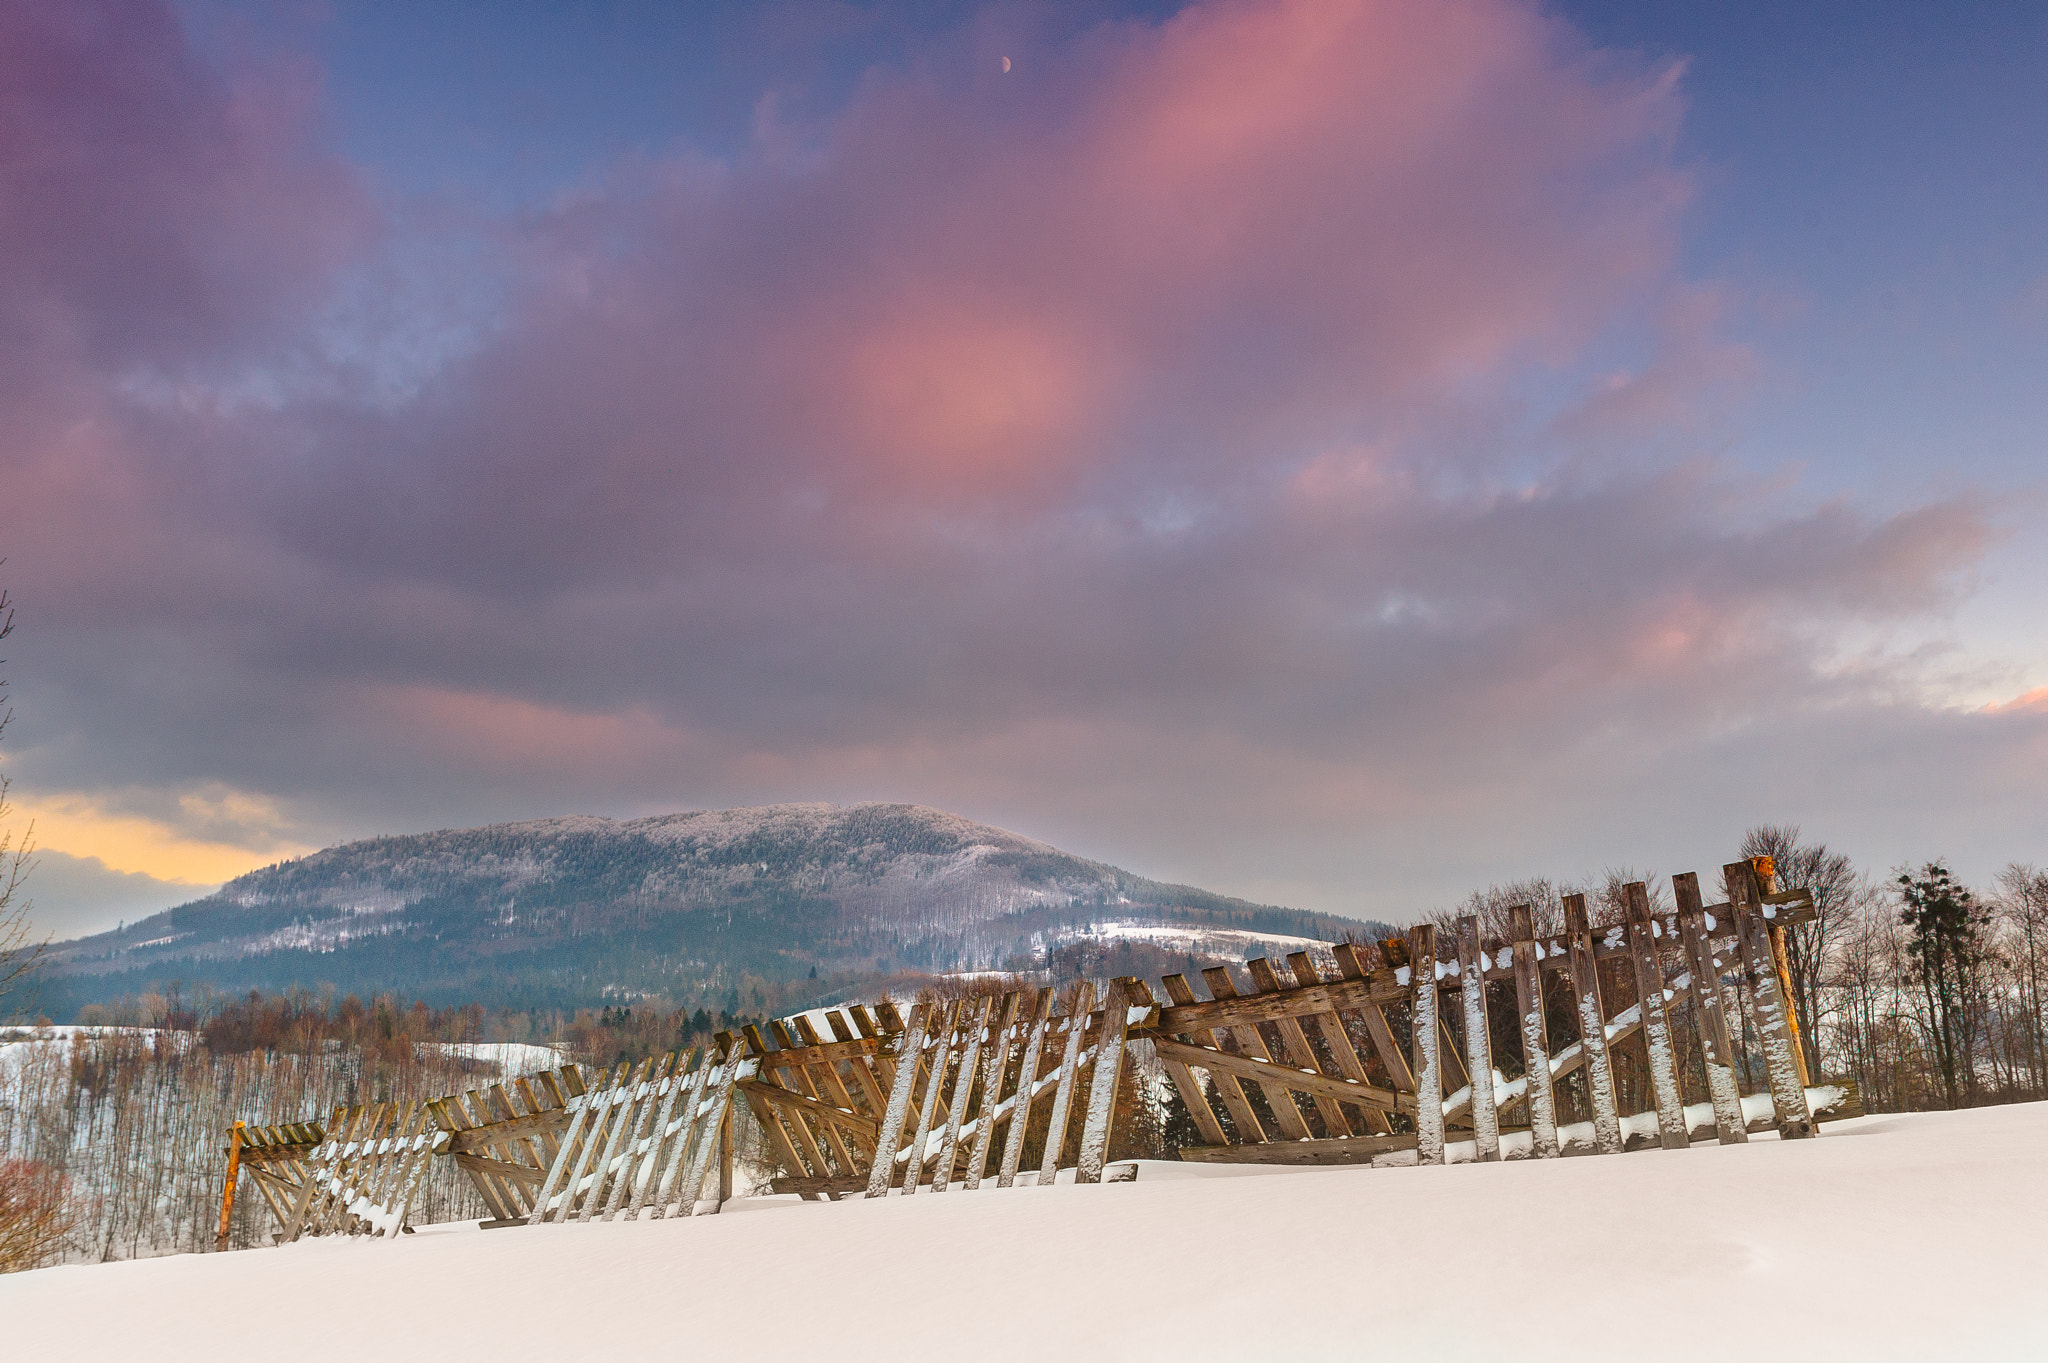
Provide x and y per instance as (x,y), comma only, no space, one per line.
(1341,454)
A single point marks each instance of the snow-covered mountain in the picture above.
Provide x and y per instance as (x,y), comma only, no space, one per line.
(581,909)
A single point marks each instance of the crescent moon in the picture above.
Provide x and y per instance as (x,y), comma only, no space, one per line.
(1006,64)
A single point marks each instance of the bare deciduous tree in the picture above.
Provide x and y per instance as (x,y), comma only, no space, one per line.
(20,951)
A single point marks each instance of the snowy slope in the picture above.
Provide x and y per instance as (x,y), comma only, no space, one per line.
(1900,1237)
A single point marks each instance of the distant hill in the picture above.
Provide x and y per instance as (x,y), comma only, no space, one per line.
(734,907)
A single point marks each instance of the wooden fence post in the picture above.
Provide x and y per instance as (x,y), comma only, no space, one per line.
(1767,883)
(1027,1079)
(882,1169)
(1716,1048)
(1429,1090)
(1478,1041)
(1585,972)
(1788,1095)
(1649,971)
(1542,1101)
(227,1193)
(1109,1071)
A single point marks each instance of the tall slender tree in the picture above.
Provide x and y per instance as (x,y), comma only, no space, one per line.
(1946,927)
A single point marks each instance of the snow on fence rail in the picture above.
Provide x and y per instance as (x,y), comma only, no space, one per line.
(507,1139)
(1269,1083)
(1387,1062)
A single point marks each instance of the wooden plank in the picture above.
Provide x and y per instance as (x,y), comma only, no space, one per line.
(641,1117)
(625,1105)
(1717,1051)
(1109,1069)
(1063,1096)
(941,1052)
(1391,1057)
(1342,1150)
(865,1128)
(1338,1039)
(1027,1077)
(648,1162)
(1232,1011)
(863,1067)
(583,1117)
(1294,1045)
(882,1168)
(963,1092)
(1250,1044)
(517,1173)
(681,1129)
(1542,1099)
(1478,1040)
(992,1068)
(1265,1072)
(1649,974)
(1189,1086)
(820,1052)
(709,1119)
(1429,1110)
(1788,1095)
(1228,1088)
(1592,1013)
(802,1081)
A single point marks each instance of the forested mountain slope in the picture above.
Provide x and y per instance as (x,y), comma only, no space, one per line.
(712,906)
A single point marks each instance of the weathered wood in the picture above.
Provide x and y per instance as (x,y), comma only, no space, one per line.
(1341,1150)
(1027,1076)
(1788,1095)
(1250,1044)
(820,1053)
(1542,1098)
(1592,1014)
(824,1113)
(1650,993)
(1338,1039)
(882,1170)
(1109,1068)
(1268,1074)
(1774,931)
(1391,1057)
(518,1173)
(963,1092)
(1249,1011)
(992,1068)
(1478,1040)
(1717,1051)
(1228,1088)
(935,1079)
(711,1119)
(680,1131)
(1429,1111)
(1063,1096)
(582,1115)
(1295,1048)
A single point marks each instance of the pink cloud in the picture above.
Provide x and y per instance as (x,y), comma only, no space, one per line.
(1146,430)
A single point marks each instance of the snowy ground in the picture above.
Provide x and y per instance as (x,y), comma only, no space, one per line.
(1903,1237)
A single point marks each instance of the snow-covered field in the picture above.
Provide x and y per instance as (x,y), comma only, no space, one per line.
(1895,1237)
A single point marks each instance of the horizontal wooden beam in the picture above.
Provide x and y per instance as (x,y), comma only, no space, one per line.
(1338,1150)
(1286,1003)
(864,1127)
(518,1173)
(824,1053)
(473,1138)
(1265,1072)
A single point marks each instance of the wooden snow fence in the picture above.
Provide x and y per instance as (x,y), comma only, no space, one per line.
(967,1068)
(506,1137)
(646,1138)
(275,1159)
(361,1177)
(1390,1054)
